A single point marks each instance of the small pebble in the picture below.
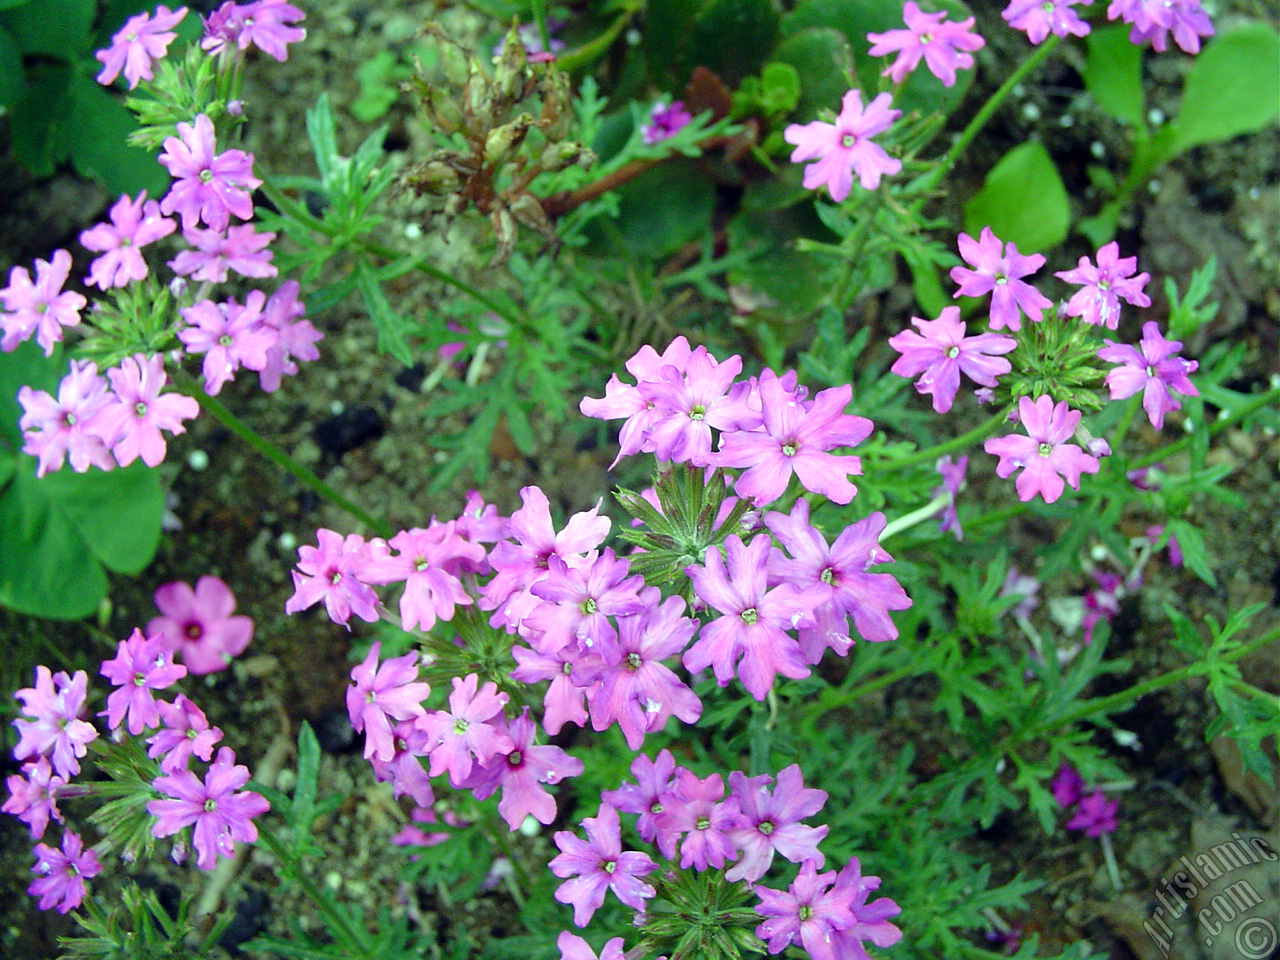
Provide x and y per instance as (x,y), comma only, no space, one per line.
(197,460)
(1098,149)
(1030,111)
(287,542)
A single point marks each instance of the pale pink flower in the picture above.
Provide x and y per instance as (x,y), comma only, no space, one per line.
(264,24)
(1104,286)
(142,40)
(940,352)
(1044,456)
(141,665)
(134,224)
(1154,20)
(1154,368)
(380,693)
(214,252)
(945,45)
(1039,18)
(845,147)
(599,864)
(229,335)
(54,430)
(208,186)
(42,307)
(200,624)
(54,728)
(131,425)
(997,268)
(466,732)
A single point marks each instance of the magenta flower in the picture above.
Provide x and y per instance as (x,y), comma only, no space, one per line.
(695,809)
(33,796)
(1039,18)
(1043,456)
(55,729)
(665,121)
(264,24)
(404,770)
(1154,20)
(295,338)
(466,733)
(214,252)
(1067,786)
(998,269)
(1104,286)
(185,733)
(796,439)
(644,797)
(570,672)
(623,401)
(755,620)
(521,772)
(142,40)
(836,580)
(41,307)
(1095,815)
(199,624)
(1154,368)
(688,404)
(772,822)
(60,874)
(944,45)
(132,424)
(380,693)
(428,562)
(637,690)
(229,335)
(68,427)
(870,920)
(845,147)
(219,814)
(952,472)
(134,224)
(941,352)
(573,947)
(579,603)
(332,572)
(141,664)
(598,864)
(209,186)
(808,914)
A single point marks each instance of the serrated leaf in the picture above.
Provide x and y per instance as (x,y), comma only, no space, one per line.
(1023,201)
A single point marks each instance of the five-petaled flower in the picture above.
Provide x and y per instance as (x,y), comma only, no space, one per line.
(940,352)
(997,268)
(944,44)
(598,864)
(1043,456)
(1153,367)
(845,147)
(1104,286)
(208,186)
(142,40)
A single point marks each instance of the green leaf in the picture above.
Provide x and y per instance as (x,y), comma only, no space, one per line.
(1023,201)
(392,328)
(52,28)
(1113,74)
(822,59)
(779,87)
(733,37)
(1233,88)
(1194,556)
(664,209)
(96,131)
(12,78)
(38,139)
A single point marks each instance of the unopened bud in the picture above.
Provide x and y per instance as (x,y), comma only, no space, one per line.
(558,156)
(454,63)
(433,177)
(557,105)
(477,105)
(509,76)
(506,138)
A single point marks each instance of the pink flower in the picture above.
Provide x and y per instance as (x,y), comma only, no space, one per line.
(219,814)
(239,248)
(796,438)
(265,24)
(295,338)
(55,729)
(844,147)
(571,673)
(229,335)
(1096,815)
(573,947)
(521,772)
(466,732)
(688,403)
(33,796)
(332,572)
(754,620)
(694,808)
(405,770)
(942,44)
(132,424)
(199,624)
(808,914)
(773,822)
(665,121)
(1067,786)
(54,430)
(428,563)
(1154,368)
(141,664)
(579,603)
(185,733)
(1039,18)
(1098,301)
(597,865)
(1043,456)
(1154,20)
(623,401)
(41,307)
(134,224)
(952,472)
(142,40)
(209,186)
(60,874)
(997,269)
(941,352)
(870,920)
(380,693)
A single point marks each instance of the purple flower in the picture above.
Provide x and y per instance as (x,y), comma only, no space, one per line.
(623,401)
(33,796)
(295,338)
(1154,20)
(598,864)
(41,307)
(332,572)
(55,729)
(132,424)
(1043,456)
(952,472)
(1154,368)
(54,430)
(773,822)
(60,874)
(942,44)
(579,603)
(941,352)
(229,335)
(754,620)
(466,733)
(565,697)
(1019,585)
(380,693)
(665,121)
(808,914)
(142,40)
(573,947)
(134,224)
(694,808)
(185,733)
(845,147)
(1067,786)
(796,438)
(428,563)
(521,772)
(219,814)
(1039,18)
(209,186)
(997,269)
(1095,815)
(141,664)
(239,248)
(265,24)
(1104,286)
(199,624)
(688,402)
(644,797)
(870,920)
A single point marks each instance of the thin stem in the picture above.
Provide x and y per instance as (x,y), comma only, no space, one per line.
(188,385)
(955,443)
(339,922)
(909,520)
(1256,404)
(421,265)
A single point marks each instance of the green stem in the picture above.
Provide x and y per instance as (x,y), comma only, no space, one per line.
(188,385)
(339,922)
(929,454)
(1254,405)
(930,179)
(421,265)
